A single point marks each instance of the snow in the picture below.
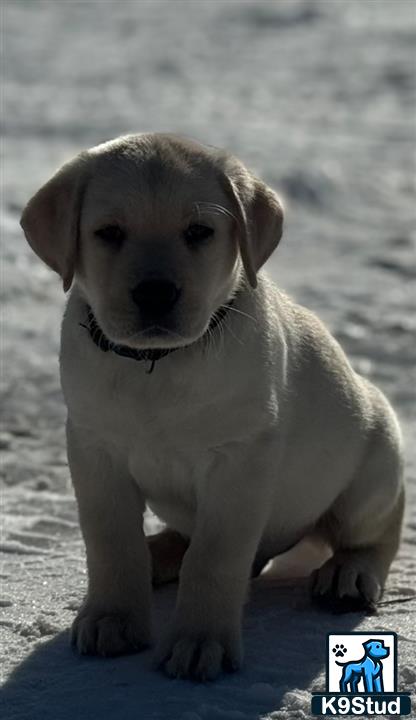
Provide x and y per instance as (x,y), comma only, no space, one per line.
(319,98)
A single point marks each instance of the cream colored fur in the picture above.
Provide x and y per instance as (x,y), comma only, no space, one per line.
(243,441)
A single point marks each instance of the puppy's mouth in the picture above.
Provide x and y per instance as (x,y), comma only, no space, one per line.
(152,343)
(155,337)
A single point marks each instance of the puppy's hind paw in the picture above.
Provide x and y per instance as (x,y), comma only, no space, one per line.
(346,584)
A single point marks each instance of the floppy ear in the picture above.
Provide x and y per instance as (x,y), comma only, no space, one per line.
(50,220)
(259,215)
(368,643)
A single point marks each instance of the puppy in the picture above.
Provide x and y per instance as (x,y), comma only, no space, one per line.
(196,387)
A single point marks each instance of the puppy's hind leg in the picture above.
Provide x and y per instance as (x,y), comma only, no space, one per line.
(353,579)
(167,549)
(363,527)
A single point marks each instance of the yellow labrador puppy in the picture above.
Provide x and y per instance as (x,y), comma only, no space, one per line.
(195,386)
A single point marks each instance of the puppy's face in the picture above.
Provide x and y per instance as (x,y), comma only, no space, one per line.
(157,231)
(158,253)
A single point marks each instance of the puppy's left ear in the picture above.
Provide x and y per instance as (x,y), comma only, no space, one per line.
(259,215)
(50,220)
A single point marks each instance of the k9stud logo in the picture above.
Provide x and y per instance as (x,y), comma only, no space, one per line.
(361,674)
(361,663)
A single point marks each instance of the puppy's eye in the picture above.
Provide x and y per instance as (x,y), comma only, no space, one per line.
(112,234)
(197,233)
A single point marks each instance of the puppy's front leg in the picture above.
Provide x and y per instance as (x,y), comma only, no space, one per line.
(205,634)
(115,616)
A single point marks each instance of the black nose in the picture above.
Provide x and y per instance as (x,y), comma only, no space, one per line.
(155,297)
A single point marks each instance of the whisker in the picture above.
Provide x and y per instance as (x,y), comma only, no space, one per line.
(210,212)
(214,208)
(209,337)
(217,337)
(239,312)
(232,333)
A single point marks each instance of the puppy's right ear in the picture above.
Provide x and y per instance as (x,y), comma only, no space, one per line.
(259,215)
(51,219)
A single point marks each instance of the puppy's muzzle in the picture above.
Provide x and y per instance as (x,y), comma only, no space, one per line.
(155,298)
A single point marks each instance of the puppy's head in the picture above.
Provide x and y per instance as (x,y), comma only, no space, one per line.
(157,231)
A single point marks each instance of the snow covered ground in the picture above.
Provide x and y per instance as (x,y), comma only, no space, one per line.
(319,97)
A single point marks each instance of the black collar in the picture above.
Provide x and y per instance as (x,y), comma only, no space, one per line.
(150,355)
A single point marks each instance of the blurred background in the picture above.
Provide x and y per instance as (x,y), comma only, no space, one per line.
(317,96)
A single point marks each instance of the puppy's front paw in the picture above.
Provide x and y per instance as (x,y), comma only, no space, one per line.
(347,582)
(98,632)
(199,656)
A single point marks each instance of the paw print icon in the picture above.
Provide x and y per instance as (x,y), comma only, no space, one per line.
(339,650)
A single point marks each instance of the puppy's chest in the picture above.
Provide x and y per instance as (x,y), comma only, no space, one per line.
(165,436)
(171,410)
(169,477)
(159,418)
(167,426)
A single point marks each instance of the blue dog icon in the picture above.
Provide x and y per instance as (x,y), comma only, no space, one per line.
(369,668)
